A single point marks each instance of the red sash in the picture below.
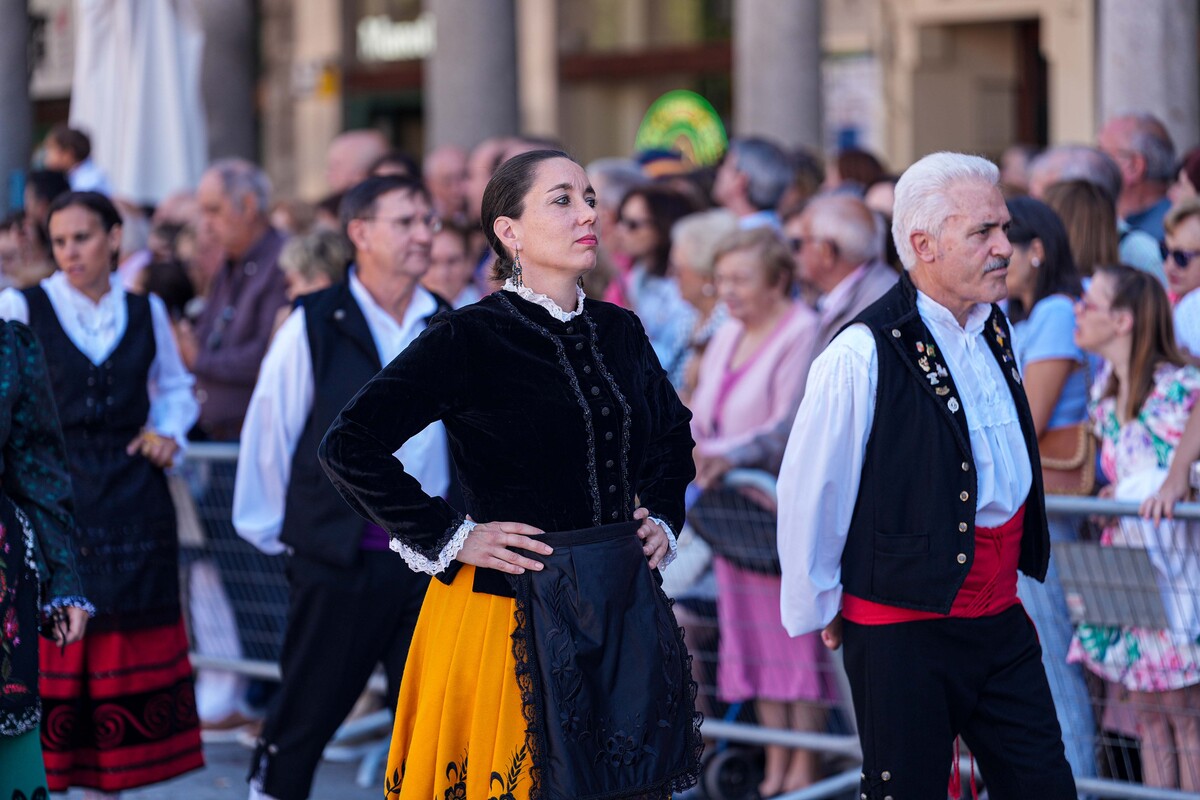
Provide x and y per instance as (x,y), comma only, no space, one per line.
(990,587)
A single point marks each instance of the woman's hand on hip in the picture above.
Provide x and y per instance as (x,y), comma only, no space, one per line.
(654,538)
(488,545)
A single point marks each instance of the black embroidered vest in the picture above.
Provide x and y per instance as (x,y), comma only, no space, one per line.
(912,536)
(97,400)
(317,522)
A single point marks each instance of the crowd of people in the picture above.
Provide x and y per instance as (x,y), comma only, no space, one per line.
(230,315)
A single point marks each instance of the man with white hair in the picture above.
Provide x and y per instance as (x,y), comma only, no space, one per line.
(753,176)
(911,493)
(1145,154)
(1069,162)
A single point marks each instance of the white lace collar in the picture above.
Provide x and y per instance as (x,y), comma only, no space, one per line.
(525,293)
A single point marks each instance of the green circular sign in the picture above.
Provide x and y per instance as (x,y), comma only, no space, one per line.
(684,121)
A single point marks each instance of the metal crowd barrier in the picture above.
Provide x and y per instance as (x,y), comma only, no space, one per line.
(1096,584)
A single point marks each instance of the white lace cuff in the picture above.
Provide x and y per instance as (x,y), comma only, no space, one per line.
(70,601)
(672,543)
(419,563)
(525,293)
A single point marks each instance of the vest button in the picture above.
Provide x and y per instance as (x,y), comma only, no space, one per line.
(962,558)
(887,776)
(966,467)
(595,391)
(579,345)
(962,527)
(587,370)
(896,332)
(963,496)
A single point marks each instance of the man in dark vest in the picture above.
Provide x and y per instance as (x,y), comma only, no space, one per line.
(911,493)
(353,604)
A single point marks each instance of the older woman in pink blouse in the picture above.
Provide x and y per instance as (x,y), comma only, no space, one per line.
(747,383)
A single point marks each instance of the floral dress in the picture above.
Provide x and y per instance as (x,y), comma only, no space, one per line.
(1140,659)
(37,567)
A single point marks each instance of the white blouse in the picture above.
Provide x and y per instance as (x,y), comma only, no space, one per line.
(96,329)
(822,467)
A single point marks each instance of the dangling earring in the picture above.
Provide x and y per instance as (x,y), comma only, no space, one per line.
(516,270)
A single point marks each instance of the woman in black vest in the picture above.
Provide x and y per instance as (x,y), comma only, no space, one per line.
(546,662)
(119,710)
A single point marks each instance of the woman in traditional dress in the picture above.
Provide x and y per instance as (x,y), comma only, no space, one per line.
(119,709)
(546,662)
(36,559)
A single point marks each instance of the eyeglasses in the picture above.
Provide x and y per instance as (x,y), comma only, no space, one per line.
(1086,305)
(633,224)
(431,221)
(796,243)
(1182,257)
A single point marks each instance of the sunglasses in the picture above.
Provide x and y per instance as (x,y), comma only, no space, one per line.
(796,243)
(1183,257)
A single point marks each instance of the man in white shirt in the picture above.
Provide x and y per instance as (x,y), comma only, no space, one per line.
(353,604)
(909,496)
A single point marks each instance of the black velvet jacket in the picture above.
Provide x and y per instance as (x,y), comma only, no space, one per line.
(560,425)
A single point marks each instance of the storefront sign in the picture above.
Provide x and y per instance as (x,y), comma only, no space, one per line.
(380,38)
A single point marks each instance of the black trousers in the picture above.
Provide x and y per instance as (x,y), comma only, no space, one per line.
(341,623)
(918,685)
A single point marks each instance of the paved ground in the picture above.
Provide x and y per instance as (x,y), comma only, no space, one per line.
(225,779)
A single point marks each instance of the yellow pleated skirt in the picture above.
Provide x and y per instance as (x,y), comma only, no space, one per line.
(460,732)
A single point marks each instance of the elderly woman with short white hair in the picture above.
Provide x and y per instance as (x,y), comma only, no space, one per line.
(694,241)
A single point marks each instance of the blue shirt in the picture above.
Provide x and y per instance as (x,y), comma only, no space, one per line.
(1049,333)
(1151,219)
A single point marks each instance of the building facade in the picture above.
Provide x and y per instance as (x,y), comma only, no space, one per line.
(899,77)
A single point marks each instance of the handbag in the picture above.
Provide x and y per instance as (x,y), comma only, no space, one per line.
(739,525)
(1068,460)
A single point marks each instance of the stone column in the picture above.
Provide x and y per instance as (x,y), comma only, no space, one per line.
(16,110)
(277,18)
(228,75)
(777,71)
(537,59)
(471,76)
(1146,61)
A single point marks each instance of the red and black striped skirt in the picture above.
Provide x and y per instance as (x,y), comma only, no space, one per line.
(119,710)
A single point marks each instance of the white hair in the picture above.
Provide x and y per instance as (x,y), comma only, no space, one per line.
(699,234)
(848,223)
(921,202)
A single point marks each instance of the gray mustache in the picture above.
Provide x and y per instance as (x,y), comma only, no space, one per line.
(992,266)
